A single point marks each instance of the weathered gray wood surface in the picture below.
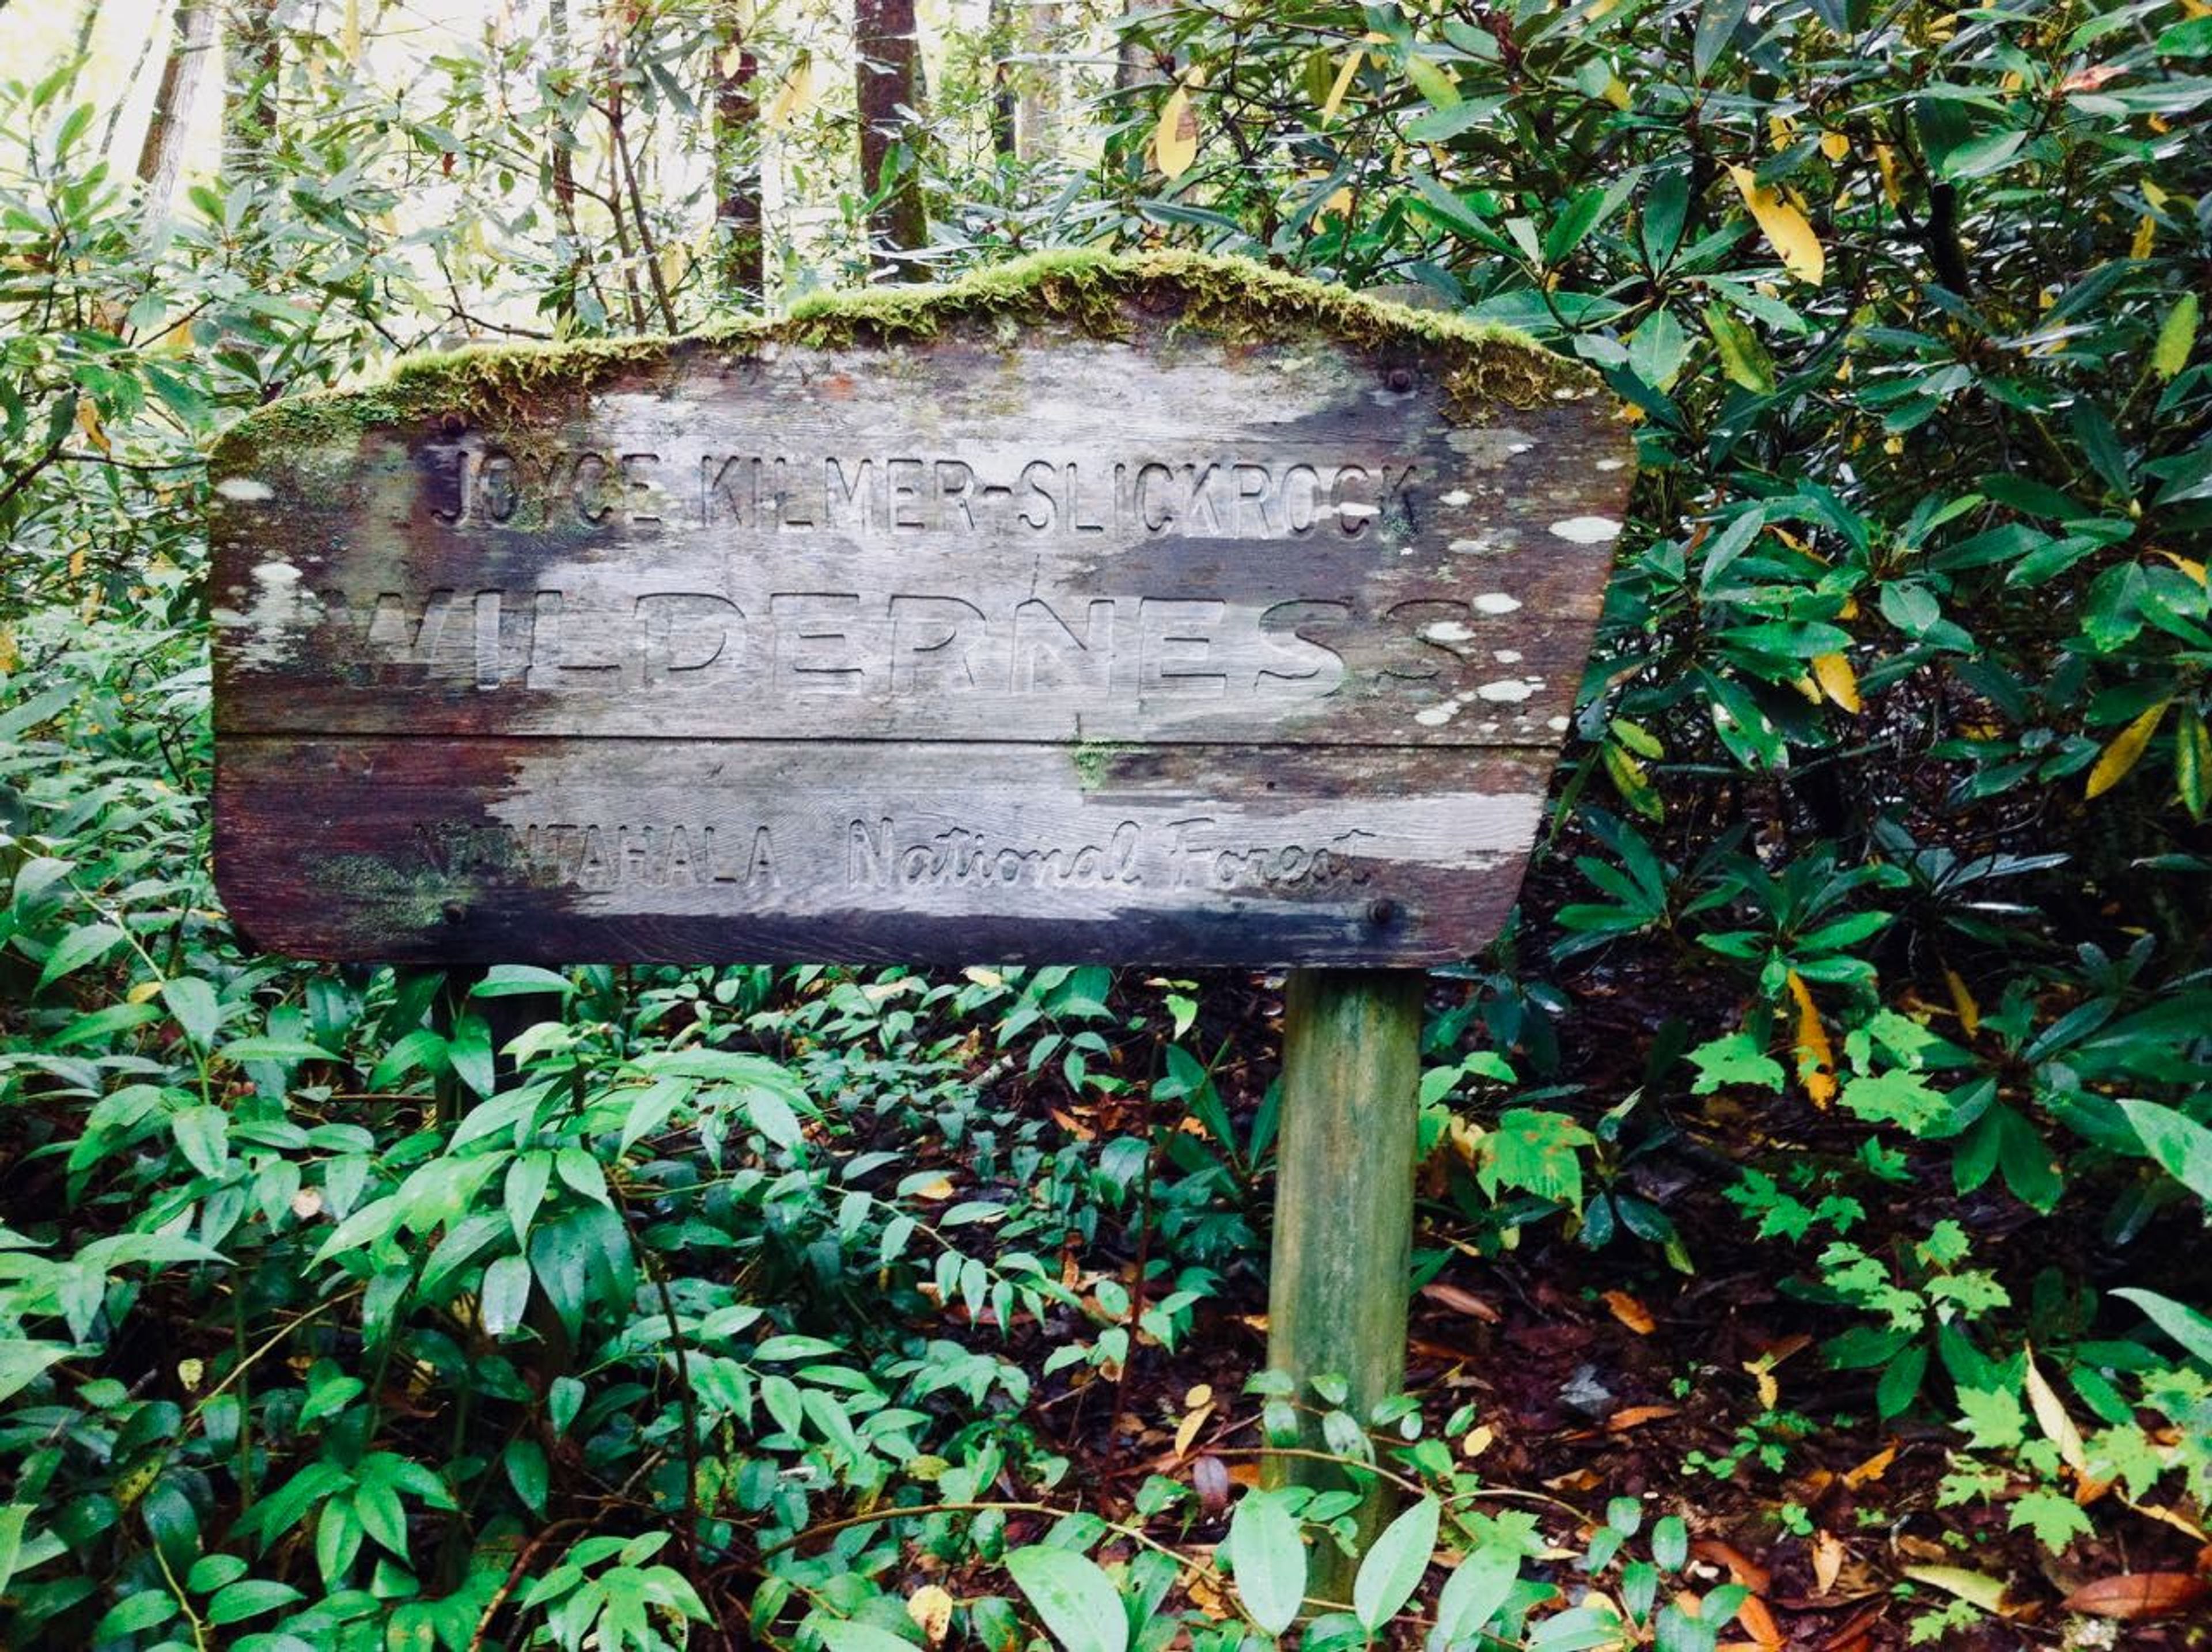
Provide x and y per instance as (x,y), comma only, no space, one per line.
(1285,631)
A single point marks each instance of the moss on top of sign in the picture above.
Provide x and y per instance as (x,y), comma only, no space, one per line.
(1099,295)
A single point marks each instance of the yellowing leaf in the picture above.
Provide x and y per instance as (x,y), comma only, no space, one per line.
(1478,1441)
(1816,1057)
(1886,158)
(2145,233)
(2051,1417)
(1187,1431)
(2175,339)
(2192,762)
(1783,226)
(1174,140)
(931,1608)
(2194,570)
(87,420)
(1742,357)
(350,32)
(1433,81)
(938,1188)
(142,992)
(792,97)
(1345,77)
(1970,1013)
(1781,131)
(734,61)
(1835,145)
(1978,1588)
(1833,673)
(1761,1371)
(1616,93)
(2125,751)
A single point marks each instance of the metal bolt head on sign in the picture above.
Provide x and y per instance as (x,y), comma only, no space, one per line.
(1161,610)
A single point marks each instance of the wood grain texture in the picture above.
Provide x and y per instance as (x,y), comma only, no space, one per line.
(1344,1213)
(1301,586)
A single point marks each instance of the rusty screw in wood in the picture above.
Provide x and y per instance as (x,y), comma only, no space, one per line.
(453,912)
(1382,912)
(1400,379)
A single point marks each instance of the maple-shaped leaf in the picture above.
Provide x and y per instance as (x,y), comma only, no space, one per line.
(1992,1417)
(2053,1517)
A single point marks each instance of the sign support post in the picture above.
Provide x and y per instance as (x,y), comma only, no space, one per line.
(1336,1300)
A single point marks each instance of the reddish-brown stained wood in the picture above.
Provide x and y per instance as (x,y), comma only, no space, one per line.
(1055,592)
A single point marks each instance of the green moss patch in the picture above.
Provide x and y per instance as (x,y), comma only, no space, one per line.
(1092,294)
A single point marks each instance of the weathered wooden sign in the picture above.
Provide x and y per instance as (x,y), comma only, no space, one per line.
(1163,609)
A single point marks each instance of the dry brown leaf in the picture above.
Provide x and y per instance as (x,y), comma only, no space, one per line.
(1828,1556)
(931,1608)
(2089,79)
(941,1188)
(1187,1431)
(2135,1597)
(1741,1568)
(1464,1302)
(1630,1312)
(1636,1416)
(1758,1622)
(1873,1468)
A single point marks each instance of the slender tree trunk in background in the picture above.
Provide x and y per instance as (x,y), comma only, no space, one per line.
(1041,105)
(742,258)
(1000,31)
(1135,62)
(887,75)
(168,128)
(250,67)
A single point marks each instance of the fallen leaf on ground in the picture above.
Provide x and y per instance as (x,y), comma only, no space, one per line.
(1636,1416)
(1977,1588)
(1758,1622)
(1873,1468)
(1829,1555)
(1630,1312)
(2133,1597)
(931,1608)
(1741,1568)
(1462,1301)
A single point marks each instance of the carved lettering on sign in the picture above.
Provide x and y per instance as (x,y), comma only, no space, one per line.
(1192,639)
(1227,497)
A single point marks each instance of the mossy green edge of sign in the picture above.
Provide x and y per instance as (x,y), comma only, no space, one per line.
(1087,292)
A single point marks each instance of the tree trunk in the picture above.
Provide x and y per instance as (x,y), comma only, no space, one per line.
(250,67)
(168,128)
(1041,101)
(887,75)
(740,253)
(1000,31)
(1134,62)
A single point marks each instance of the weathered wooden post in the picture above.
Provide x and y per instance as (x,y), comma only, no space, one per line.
(1344,1208)
(1164,609)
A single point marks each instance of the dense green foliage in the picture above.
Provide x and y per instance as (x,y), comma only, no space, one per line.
(319,1329)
